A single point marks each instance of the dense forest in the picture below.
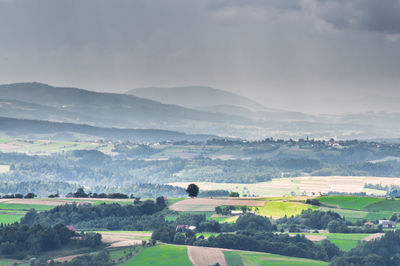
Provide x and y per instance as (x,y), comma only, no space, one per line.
(18,241)
(144,215)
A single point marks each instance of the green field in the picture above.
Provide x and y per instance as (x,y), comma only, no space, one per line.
(6,262)
(344,241)
(231,219)
(344,244)
(207,235)
(173,200)
(241,258)
(162,255)
(24,207)
(9,218)
(350,202)
(355,208)
(280,208)
(385,205)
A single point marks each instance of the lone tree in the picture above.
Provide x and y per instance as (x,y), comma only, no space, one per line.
(192,190)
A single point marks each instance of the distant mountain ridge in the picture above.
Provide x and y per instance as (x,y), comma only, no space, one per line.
(196,96)
(54,130)
(104,109)
(38,101)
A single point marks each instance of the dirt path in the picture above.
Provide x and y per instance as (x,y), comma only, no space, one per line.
(67,258)
(202,256)
(373,236)
(210,204)
(315,238)
(124,239)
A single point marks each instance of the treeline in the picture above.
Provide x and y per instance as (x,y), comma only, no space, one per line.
(29,195)
(17,241)
(46,188)
(140,216)
(254,234)
(317,220)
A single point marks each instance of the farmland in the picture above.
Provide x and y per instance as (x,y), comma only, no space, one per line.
(239,258)
(277,209)
(308,185)
(344,242)
(9,218)
(162,255)
(355,208)
(210,204)
(46,147)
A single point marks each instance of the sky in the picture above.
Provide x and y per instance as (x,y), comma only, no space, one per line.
(296,54)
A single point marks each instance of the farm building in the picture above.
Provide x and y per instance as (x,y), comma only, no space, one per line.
(71,228)
(236,212)
(182,228)
(369,225)
(387,223)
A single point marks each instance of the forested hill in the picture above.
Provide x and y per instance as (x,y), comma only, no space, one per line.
(107,109)
(196,96)
(24,127)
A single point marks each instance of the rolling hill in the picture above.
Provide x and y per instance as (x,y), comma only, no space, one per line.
(68,131)
(196,96)
(40,101)
(232,116)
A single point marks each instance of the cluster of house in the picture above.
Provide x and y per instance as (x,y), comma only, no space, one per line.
(384,223)
(183,228)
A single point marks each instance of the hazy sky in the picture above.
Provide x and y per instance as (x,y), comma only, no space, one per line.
(280,52)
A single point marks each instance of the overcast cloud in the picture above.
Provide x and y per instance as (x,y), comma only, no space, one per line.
(283,53)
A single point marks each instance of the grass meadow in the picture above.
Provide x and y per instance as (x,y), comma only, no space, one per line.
(162,255)
(241,258)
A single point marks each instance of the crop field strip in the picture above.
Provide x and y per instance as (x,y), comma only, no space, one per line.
(243,258)
(298,185)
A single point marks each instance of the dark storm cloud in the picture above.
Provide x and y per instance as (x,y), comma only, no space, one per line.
(368,15)
(279,4)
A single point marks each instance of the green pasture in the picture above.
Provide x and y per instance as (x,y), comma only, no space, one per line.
(229,219)
(4,262)
(351,215)
(349,202)
(241,258)
(207,235)
(24,207)
(10,218)
(172,201)
(162,255)
(344,241)
(388,205)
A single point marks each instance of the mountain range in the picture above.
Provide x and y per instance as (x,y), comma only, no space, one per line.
(201,110)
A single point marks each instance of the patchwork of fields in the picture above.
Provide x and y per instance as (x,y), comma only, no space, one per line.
(46,147)
(308,185)
(353,208)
